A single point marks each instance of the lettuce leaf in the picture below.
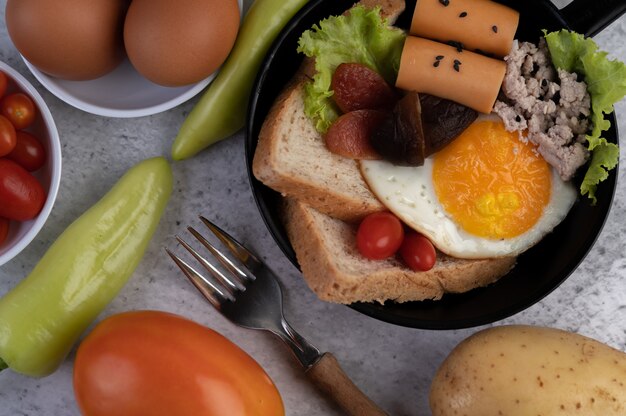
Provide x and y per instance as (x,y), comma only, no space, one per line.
(606,83)
(362,36)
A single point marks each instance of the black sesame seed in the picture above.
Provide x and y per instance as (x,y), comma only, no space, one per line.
(463,14)
(439,57)
(458,45)
(544,82)
(494,28)
(436,64)
(446,3)
(456,65)
(518,118)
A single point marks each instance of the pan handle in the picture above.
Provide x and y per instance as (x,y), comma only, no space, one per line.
(591,16)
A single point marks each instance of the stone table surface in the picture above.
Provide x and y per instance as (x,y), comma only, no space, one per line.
(392,364)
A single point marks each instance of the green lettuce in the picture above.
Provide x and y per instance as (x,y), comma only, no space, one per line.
(606,83)
(362,36)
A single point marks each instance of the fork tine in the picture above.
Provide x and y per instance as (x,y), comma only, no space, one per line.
(211,292)
(232,285)
(225,261)
(243,254)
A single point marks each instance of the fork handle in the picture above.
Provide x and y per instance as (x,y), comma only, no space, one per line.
(329,377)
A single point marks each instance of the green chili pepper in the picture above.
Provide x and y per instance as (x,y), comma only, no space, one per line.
(221,110)
(44,315)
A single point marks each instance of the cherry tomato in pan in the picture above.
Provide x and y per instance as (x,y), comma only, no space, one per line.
(418,252)
(7,136)
(379,235)
(19,109)
(21,194)
(3,83)
(4,230)
(28,152)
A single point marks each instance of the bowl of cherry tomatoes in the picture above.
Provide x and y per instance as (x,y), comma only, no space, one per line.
(30,162)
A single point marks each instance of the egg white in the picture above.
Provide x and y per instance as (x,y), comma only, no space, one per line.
(409,193)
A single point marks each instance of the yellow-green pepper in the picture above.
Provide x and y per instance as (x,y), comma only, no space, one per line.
(221,110)
(83,270)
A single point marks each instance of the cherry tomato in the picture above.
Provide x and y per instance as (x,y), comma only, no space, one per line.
(379,235)
(7,136)
(19,109)
(4,230)
(3,83)
(418,252)
(21,194)
(155,363)
(28,151)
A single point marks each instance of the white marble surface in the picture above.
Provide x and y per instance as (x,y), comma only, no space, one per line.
(392,364)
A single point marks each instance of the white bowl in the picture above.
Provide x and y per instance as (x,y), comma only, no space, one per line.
(49,175)
(122,93)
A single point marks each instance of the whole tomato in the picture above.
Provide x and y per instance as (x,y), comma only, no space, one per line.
(3,83)
(418,252)
(4,230)
(28,152)
(18,108)
(155,363)
(7,136)
(21,194)
(379,235)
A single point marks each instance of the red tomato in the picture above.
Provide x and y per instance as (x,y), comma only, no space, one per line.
(4,229)
(7,136)
(21,194)
(418,252)
(379,235)
(3,83)
(28,151)
(18,108)
(155,363)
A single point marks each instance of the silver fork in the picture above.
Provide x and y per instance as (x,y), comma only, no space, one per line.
(251,297)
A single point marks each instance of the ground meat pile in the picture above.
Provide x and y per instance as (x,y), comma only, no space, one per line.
(552,105)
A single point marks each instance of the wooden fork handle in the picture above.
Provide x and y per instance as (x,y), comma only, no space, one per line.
(329,377)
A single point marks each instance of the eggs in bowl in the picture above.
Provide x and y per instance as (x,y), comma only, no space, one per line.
(486,194)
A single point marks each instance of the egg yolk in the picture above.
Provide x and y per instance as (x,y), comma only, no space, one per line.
(491,183)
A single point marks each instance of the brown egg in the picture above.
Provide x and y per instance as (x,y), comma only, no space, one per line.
(69,39)
(180,42)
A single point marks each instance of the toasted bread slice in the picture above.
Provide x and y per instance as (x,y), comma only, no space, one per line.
(292,158)
(334,269)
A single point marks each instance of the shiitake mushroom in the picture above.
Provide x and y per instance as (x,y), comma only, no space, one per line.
(418,126)
(443,120)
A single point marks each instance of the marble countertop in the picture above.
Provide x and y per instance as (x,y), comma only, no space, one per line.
(392,364)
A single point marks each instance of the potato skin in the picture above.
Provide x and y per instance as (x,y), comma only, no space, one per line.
(530,371)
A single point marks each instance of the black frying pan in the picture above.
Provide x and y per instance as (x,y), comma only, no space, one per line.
(539,270)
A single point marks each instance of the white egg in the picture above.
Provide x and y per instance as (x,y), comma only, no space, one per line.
(409,192)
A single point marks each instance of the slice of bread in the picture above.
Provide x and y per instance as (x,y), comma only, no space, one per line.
(292,158)
(334,269)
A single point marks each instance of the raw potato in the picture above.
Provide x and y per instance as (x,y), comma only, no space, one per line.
(530,371)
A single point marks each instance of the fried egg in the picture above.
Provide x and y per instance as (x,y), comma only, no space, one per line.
(486,194)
